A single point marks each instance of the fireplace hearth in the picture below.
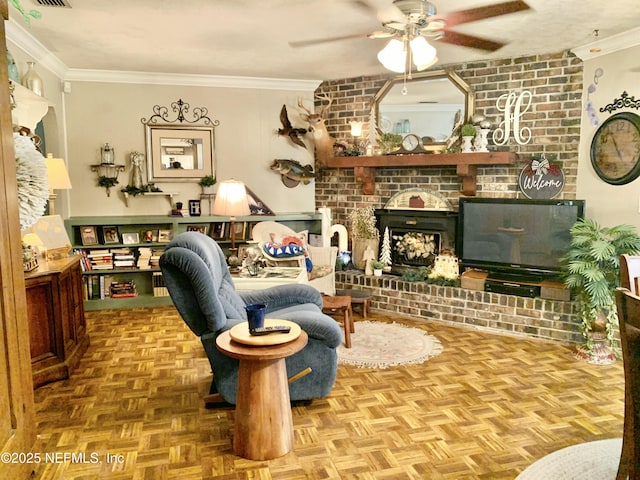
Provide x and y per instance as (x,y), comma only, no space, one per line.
(417,236)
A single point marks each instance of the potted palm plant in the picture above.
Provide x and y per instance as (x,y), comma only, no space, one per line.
(591,268)
(364,233)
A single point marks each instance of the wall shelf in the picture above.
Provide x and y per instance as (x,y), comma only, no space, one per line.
(169,196)
(364,168)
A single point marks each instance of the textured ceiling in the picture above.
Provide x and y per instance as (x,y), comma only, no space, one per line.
(251,37)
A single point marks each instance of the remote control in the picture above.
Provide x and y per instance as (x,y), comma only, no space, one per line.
(268,330)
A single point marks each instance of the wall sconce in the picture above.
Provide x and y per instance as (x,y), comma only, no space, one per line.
(57,177)
(107,154)
(107,170)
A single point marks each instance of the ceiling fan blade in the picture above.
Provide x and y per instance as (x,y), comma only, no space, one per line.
(464,40)
(319,41)
(480,13)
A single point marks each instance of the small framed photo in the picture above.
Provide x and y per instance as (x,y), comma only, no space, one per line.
(197,228)
(239,230)
(110,235)
(89,235)
(164,236)
(149,236)
(218,230)
(194,208)
(242,252)
(130,238)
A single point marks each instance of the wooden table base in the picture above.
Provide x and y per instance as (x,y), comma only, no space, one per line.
(263,421)
(264,426)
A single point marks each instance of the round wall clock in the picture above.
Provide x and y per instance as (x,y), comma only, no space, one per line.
(615,149)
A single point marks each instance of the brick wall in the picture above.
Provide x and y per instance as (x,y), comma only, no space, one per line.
(534,317)
(555,81)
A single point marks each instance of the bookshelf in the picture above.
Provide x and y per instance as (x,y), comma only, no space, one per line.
(120,249)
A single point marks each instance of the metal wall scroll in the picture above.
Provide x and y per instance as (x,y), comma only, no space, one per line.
(625,101)
(513,106)
(161,114)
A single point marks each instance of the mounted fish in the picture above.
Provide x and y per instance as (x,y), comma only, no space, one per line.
(292,172)
(288,130)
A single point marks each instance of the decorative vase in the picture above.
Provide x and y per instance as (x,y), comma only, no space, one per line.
(481,141)
(600,352)
(466,144)
(359,247)
(13,68)
(32,80)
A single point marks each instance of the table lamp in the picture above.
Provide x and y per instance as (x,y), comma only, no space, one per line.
(57,177)
(231,200)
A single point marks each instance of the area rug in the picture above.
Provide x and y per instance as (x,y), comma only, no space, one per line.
(384,345)
(585,461)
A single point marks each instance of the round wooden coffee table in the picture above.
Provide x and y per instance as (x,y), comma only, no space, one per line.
(263,421)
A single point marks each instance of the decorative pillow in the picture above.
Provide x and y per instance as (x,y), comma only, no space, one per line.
(286,245)
(320,271)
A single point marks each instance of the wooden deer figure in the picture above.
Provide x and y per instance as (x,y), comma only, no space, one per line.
(322,140)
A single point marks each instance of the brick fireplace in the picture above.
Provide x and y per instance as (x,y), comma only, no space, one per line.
(555,81)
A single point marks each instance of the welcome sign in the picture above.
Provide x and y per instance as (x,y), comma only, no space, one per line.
(541,179)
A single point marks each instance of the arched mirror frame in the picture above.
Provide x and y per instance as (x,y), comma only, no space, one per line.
(454,78)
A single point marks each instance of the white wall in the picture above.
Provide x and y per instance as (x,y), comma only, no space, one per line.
(245,142)
(608,204)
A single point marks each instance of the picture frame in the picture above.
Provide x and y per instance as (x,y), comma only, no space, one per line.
(202,228)
(179,153)
(194,208)
(242,252)
(110,235)
(164,236)
(218,230)
(88,235)
(149,235)
(130,238)
(239,231)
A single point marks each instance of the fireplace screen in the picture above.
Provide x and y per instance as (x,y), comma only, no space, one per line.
(414,248)
(417,236)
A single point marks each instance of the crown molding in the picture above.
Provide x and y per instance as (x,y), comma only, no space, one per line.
(31,46)
(606,46)
(17,34)
(191,80)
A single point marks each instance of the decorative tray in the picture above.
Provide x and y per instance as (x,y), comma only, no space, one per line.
(240,333)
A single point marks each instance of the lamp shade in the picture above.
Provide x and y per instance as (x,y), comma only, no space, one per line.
(393,56)
(231,199)
(57,175)
(356,128)
(423,53)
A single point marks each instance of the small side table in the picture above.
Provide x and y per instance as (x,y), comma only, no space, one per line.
(358,297)
(263,421)
(334,304)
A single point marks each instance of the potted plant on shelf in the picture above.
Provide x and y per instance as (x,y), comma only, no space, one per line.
(468,132)
(591,267)
(206,183)
(364,233)
(377,266)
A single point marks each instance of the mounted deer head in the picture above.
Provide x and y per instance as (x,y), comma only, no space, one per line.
(323,141)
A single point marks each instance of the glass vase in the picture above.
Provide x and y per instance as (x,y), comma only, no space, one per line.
(32,80)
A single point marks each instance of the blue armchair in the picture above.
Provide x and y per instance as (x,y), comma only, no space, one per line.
(196,274)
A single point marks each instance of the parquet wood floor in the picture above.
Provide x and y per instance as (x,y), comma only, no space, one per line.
(486,408)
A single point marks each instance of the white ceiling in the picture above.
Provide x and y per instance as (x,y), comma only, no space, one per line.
(249,38)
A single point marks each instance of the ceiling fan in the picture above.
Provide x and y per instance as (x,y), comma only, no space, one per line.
(420,18)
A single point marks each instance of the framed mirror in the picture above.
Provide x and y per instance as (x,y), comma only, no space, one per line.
(179,153)
(431,105)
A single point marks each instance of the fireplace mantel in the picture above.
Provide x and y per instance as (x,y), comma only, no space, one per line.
(466,164)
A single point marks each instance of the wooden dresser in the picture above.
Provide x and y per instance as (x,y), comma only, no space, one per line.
(57,329)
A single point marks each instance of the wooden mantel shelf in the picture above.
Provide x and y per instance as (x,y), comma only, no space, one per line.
(466,165)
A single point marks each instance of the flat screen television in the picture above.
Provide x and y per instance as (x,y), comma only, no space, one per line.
(515,239)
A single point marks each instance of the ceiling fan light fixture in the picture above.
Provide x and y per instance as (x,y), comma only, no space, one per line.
(393,56)
(423,53)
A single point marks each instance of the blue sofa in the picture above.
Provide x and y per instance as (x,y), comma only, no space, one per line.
(196,274)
